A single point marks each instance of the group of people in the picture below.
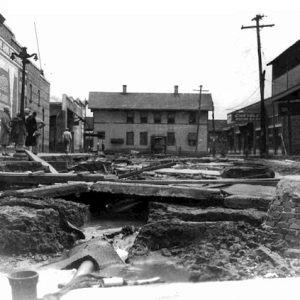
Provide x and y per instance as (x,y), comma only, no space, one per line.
(18,129)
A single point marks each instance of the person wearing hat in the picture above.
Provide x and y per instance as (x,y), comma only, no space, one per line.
(5,130)
(67,138)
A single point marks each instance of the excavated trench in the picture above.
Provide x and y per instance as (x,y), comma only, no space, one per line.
(179,239)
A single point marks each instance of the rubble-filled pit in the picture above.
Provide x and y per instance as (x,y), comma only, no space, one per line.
(175,239)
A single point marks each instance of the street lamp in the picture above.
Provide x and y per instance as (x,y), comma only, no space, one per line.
(24,56)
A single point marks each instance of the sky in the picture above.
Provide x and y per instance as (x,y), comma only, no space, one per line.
(98,45)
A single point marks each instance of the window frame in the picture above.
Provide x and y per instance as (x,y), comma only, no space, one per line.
(129,141)
(143,139)
(172,119)
(171,140)
(157,120)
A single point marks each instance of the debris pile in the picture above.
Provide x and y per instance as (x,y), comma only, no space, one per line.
(39,226)
(212,249)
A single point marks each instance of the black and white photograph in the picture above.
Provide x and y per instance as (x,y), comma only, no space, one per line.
(149,149)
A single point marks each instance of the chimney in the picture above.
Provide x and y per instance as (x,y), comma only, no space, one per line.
(124,89)
(176,90)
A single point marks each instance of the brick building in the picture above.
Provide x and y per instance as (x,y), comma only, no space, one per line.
(37,88)
(282,111)
(151,122)
(66,112)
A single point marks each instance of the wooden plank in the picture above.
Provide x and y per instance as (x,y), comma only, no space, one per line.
(55,190)
(150,168)
(34,157)
(49,178)
(263,181)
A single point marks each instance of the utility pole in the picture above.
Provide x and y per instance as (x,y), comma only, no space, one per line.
(214,132)
(198,117)
(263,142)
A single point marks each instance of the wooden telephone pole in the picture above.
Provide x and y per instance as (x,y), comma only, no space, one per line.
(198,117)
(263,142)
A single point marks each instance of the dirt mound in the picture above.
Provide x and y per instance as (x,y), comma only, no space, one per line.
(39,226)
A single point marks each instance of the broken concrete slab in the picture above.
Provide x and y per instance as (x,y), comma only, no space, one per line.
(99,251)
(22,166)
(247,189)
(162,211)
(34,157)
(247,201)
(51,191)
(142,189)
(248,171)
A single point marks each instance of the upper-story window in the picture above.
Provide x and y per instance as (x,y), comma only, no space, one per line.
(130,117)
(171,117)
(157,117)
(30,93)
(39,98)
(144,117)
(192,117)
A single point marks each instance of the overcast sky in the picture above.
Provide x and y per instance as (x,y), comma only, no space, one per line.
(99,45)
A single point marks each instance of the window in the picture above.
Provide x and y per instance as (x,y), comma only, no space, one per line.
(192,117)
(192,138)
(101,135)
(39,98)
(157,117)
(30,93)
(130,138)
(130,117)
(144,117)
(171,117)
(170,138)
(143,138)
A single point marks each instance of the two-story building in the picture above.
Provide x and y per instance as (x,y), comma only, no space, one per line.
(37,87)
(282,111)
(151,122)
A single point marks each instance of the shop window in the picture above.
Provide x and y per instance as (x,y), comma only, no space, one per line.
(170,138)
(144,117)
(192,117)
(192,138)
(157,117)
(130,117)
(143,138)
(171,117)
(130,138)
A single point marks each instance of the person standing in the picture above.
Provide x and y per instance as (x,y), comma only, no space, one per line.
(67,138)
(40,125)
(5,130)
(31,127)
(18,131)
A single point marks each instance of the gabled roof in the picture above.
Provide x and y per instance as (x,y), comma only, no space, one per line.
(149,101)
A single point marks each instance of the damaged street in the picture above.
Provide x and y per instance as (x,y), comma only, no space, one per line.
(152,220)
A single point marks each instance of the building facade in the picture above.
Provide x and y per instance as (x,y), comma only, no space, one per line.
(282,112)
(37,88)
(151,122)
(67,112)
